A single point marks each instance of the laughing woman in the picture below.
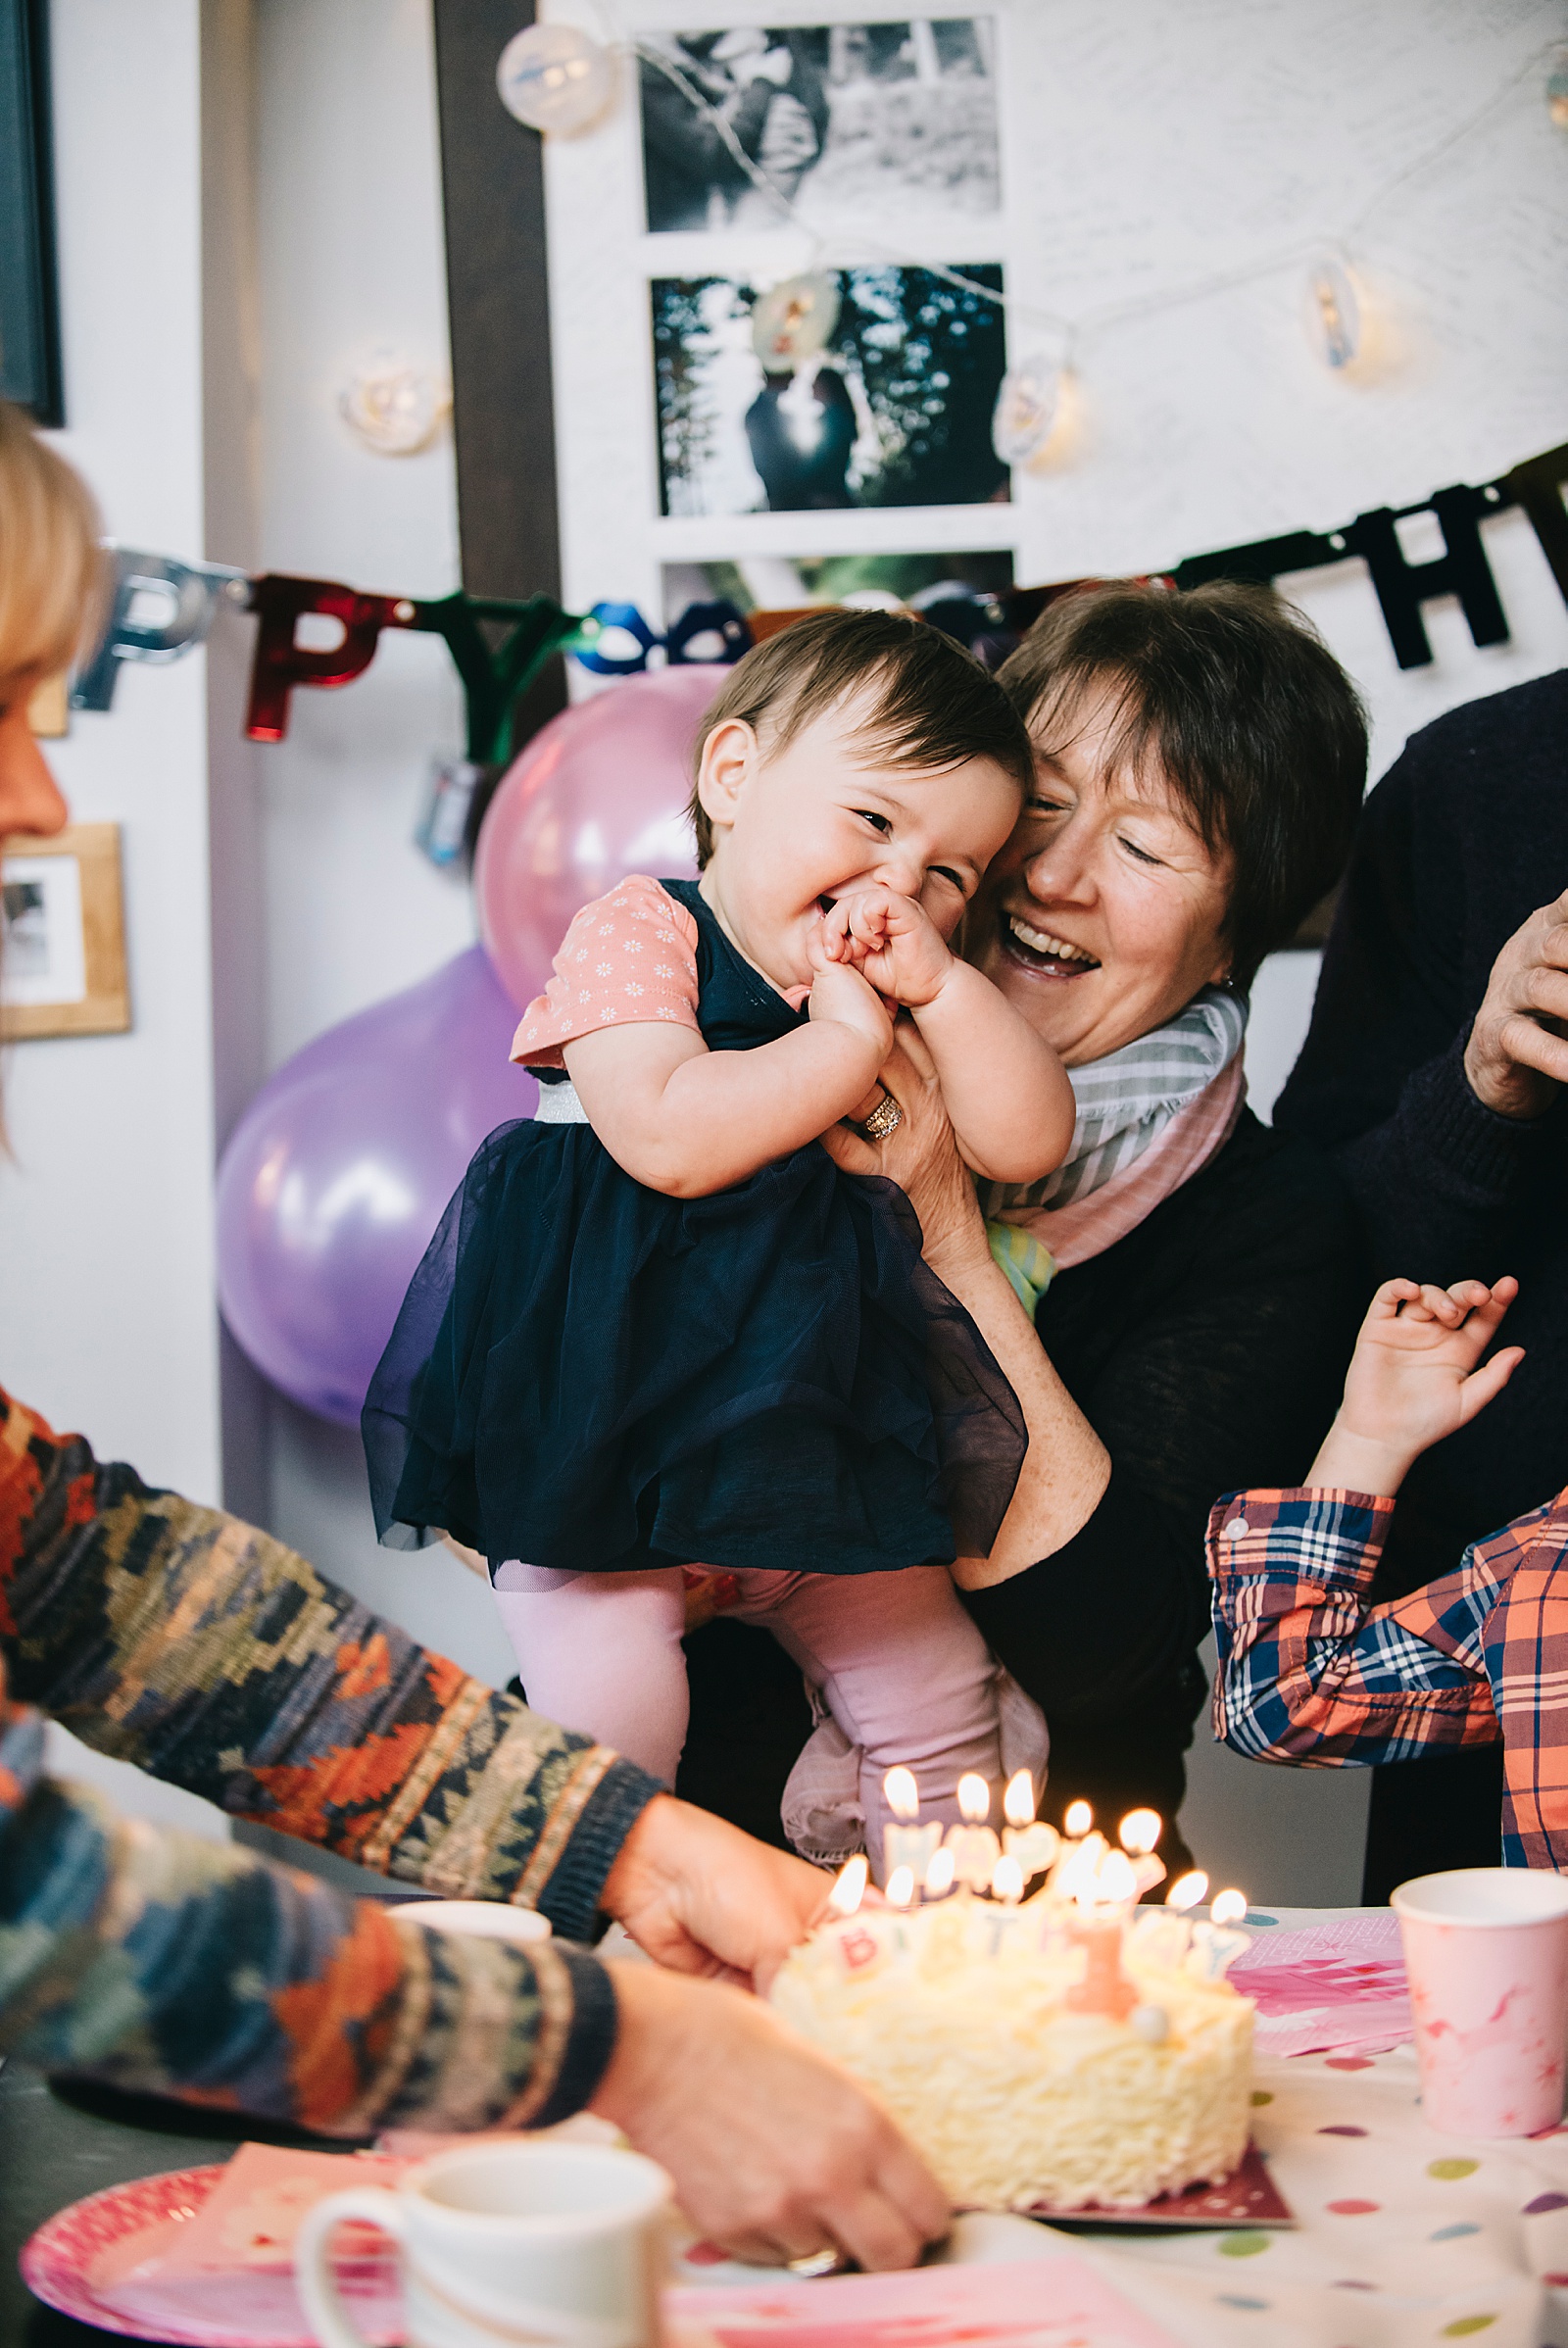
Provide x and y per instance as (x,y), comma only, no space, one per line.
(1176,1304)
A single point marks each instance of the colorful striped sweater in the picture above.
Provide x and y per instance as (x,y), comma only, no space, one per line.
(205,1652)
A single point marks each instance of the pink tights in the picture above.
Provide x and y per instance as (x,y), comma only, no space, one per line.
(894,1656)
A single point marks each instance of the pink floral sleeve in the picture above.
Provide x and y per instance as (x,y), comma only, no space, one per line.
(628,959)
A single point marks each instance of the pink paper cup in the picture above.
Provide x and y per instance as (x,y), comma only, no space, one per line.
(1486,1949)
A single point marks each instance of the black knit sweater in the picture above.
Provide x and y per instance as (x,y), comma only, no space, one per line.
(1206,1350)
(1461,841)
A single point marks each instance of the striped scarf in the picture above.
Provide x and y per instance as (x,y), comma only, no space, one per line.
(1126,1103)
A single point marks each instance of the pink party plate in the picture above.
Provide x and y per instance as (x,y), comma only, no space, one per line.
(58,2262)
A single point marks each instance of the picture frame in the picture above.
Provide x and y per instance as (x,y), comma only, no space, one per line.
(30,300)
(63,935)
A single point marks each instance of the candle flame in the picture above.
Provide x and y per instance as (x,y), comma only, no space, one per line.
(850,1888)
(974,1797)
(1019,1802)
(1188,1890)
(1140,1830)
(1227,1907)
(903,1794)
(901,1888)
(1116,1879)
(1078,1820)
(1006,1881)
(941,1872)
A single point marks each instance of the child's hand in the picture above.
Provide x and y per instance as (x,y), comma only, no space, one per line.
(892,940)
(1413,1378)
(840,993)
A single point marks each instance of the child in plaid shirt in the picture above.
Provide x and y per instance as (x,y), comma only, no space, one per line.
(1310,1672)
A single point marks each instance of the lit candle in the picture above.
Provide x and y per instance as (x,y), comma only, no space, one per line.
(940,1873)
(849,1887)
(1164,1936)
(1138,1835)
(1025,1838)
(1078,1820)
(1188,1890)
(1101,1906)
(1215,1945)
(906,1844)
(901,1888)
(1006,1881)
(974,1847)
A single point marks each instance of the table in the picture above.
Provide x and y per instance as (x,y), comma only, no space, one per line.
(1404,2237)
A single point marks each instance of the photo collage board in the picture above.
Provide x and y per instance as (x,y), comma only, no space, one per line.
(776,340)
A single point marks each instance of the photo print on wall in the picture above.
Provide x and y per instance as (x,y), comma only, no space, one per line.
(883,398)
(892,121)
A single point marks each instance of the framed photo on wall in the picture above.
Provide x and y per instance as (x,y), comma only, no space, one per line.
(29,309)
(63,935)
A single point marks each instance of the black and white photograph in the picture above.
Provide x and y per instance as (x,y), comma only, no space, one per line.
(62,935)
(853,388)
(751,127)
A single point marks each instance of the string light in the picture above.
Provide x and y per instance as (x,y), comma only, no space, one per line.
(554,77)
(1027,408)
(1333,311)
(794,322)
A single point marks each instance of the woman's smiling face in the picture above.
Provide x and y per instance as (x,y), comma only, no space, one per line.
(1106,911)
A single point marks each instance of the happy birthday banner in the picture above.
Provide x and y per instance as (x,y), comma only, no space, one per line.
(499,647)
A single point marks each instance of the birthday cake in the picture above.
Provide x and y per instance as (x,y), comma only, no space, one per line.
(1034,2055)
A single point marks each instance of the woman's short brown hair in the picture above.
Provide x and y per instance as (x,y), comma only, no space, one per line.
(52,571)
(1232,693)
(931,704)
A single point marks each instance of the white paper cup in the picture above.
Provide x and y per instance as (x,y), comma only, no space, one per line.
(1486,1949)
(480,1918)
(521,2245)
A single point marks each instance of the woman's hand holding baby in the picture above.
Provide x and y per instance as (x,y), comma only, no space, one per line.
(1413,1380)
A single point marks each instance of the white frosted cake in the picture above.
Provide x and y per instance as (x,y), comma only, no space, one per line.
(1014,2096)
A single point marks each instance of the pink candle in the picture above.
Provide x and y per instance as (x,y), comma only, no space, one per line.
(1105,1987)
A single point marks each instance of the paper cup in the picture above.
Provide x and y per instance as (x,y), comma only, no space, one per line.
(1486,1949)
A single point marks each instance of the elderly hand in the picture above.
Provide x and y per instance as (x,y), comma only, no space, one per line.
(699,1896)
(921,1155)
(1517,1050)
(775,2152)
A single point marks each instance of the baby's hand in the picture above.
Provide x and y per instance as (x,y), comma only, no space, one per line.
(892,940)
(1413,1378)
(839,991)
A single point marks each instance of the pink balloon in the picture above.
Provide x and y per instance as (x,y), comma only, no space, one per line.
(337,1174)
(600,792)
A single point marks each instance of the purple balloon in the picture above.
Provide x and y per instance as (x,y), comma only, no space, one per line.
(336,1176)
(599,792)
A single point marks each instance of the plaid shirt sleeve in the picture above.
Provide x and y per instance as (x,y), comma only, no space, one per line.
(208,1654)
(1309,1672)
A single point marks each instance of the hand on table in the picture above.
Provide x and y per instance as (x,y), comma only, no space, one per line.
(775,2153)
(1517,1050)
(1413,1378)
(699,1896)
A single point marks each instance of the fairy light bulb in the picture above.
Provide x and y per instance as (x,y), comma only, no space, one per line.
(1333,311)
(1188,1890)
(1019,1802)
(902,1793)
(1140,1830)
(900,1892)
(1027,406)
(938,1876)
(850,1888)
(1227,1907)
(974,1797)
(554,77)
(1557,88)
(1078,1820)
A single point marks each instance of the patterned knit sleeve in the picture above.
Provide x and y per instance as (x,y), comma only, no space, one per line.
(160,1962)
(209,1655)
(629,959)
(1309,1671)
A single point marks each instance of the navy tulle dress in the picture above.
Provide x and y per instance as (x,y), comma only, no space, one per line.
(590,1375)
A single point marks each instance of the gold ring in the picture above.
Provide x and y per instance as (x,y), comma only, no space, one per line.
(885,1118)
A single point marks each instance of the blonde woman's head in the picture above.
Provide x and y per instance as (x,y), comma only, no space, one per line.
(52,571)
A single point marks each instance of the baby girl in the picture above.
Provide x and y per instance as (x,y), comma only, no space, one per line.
(660,1327)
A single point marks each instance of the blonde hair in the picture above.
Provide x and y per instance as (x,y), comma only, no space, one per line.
(52,571)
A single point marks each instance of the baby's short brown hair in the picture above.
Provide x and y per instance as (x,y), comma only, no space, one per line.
(931,703)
